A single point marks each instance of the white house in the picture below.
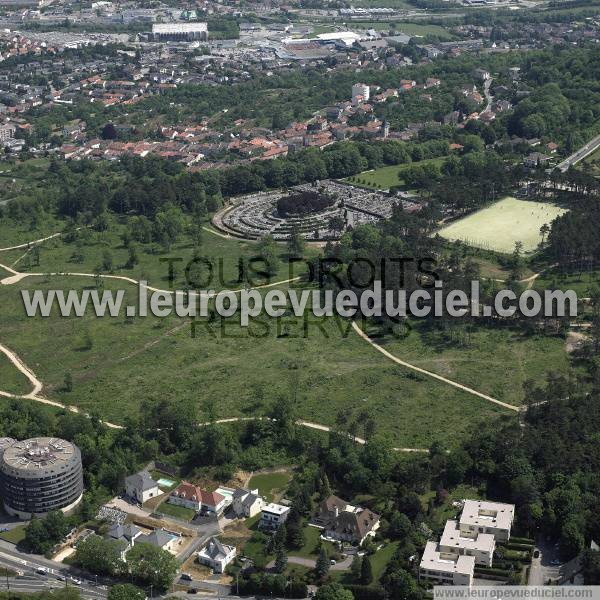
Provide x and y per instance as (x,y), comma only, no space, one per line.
(187,495)
(141,487)
(216,555)
(191,496)
(273,515)
(247,503)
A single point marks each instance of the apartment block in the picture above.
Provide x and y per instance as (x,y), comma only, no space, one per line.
(446,568)
(468,542)
(487,517)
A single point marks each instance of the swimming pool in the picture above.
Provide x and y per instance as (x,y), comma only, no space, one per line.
(168,483)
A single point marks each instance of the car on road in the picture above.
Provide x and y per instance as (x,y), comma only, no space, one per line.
(41,571)
(76,581)
(555,562)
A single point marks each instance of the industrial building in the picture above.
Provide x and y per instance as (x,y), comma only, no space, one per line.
(179,32)
(40,475)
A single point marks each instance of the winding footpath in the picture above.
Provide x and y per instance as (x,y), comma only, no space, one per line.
(37,386)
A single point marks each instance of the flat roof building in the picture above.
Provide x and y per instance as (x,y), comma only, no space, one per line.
(487,517)
(467,542)
(180,32)
(445,568)
(40,475)
(480,546)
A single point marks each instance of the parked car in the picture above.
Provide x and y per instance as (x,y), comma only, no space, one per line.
(536,554)
(186,577)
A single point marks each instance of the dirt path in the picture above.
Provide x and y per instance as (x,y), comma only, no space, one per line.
(455,384)
(36,396)
(28,244)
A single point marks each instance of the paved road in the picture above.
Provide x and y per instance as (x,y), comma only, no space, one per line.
(580,154)
(32,581)
(488,96)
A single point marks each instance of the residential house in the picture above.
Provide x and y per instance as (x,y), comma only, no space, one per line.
(432,82)
(482,74)
(141,487)
(273,515)
(216,555)
(187,495)
(125,535)
(161,539)
(247,503)
(535,159)
(213,502)
(342,521)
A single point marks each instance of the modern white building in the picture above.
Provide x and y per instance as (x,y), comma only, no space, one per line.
(481,516)
(360,93)
(480,546)
(216,555)
(468,542)
(446,568)
(273,515)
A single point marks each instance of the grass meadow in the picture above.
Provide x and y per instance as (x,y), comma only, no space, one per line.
(116,363)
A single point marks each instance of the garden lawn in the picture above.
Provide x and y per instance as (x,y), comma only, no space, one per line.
(270,485)
(179,512)
(15,535)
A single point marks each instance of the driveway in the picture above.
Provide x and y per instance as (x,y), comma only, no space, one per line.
(541,570)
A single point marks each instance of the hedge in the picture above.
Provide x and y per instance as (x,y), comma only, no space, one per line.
(366,592)
(522,540)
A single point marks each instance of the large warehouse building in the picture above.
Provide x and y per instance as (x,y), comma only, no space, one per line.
(179,32)
(39,475)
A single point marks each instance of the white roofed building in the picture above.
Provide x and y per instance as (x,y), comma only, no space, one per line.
(445,568)
(481,516)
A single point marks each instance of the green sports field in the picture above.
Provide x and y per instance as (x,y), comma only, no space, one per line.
(501,225)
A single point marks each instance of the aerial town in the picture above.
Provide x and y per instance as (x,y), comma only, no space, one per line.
(443,152)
